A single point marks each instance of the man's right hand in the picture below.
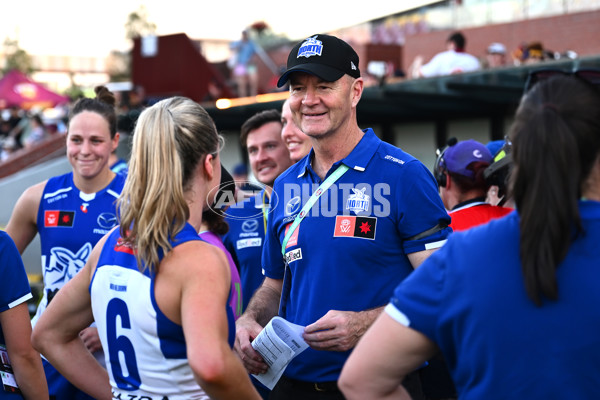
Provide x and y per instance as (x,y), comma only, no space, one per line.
(246,331)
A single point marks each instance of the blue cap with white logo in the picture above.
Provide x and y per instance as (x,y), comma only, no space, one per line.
(325,56)
(458,157)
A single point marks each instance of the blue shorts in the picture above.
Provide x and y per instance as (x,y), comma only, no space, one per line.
(59,387)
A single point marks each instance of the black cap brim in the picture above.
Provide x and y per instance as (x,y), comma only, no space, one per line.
(326,73)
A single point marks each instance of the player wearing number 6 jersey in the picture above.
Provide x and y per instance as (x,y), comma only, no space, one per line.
(158,293)
(71,213)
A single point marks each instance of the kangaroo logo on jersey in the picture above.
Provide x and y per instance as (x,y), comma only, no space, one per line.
(359,201)
(65,263)
(58,218)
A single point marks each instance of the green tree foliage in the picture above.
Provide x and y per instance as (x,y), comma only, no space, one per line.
(119,66)
(16,58)
(138,25)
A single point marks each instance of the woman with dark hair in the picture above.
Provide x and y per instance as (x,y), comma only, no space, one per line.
(71,212)
(511,304)
(158,294)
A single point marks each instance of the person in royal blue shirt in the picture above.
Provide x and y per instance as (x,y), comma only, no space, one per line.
(22,371)
(510,303)
(261,136)
(269,157)
(376,216)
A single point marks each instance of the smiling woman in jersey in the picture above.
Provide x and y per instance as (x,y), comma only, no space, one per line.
(71,212)
(158,293)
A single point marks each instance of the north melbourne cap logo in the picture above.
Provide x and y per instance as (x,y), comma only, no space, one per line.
(311,47)
(325,56)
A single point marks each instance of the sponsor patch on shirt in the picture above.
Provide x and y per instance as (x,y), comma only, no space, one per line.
(358,227)
(244,243)
(293,241)
(58,218)
(123,247)
(249,225)
(293,255)
(293,206)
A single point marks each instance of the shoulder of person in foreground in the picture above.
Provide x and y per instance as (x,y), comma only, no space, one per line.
(15,324)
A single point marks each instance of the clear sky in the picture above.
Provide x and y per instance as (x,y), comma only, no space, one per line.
(85,28)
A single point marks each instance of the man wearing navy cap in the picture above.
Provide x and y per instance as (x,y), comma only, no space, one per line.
(352,220)
(460,174)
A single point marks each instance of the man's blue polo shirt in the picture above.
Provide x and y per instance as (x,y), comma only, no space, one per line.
(350,251)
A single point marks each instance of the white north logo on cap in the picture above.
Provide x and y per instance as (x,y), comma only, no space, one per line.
(310,47)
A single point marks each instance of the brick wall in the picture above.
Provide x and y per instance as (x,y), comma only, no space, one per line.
(52,147)
(579,32)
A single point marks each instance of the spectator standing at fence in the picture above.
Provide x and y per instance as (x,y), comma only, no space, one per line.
(243,68)
(454,60)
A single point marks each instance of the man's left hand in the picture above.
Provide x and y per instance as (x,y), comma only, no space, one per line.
(339,330)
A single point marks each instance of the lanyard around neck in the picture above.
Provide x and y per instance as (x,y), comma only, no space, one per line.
(341,170)
(264,210)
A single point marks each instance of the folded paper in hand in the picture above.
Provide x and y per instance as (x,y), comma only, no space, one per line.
(278,343)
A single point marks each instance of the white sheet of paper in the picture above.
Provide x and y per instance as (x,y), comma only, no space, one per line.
(278,343)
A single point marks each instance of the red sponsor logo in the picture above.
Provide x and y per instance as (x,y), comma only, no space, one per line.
(293,241)
(56,218)
(123,247)
(352,226)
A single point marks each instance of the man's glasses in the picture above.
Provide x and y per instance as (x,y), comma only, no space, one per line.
(589,75)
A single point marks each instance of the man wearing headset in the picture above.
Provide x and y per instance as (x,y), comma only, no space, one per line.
(459,171)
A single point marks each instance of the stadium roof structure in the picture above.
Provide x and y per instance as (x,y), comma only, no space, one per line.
(493,94)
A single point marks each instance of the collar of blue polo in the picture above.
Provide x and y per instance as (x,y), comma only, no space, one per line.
(358,158)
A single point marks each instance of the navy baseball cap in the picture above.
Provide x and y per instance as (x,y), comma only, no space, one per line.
(494,146)
(325,56)
(458,157)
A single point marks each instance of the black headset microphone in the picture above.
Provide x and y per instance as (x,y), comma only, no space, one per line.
(440,164)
